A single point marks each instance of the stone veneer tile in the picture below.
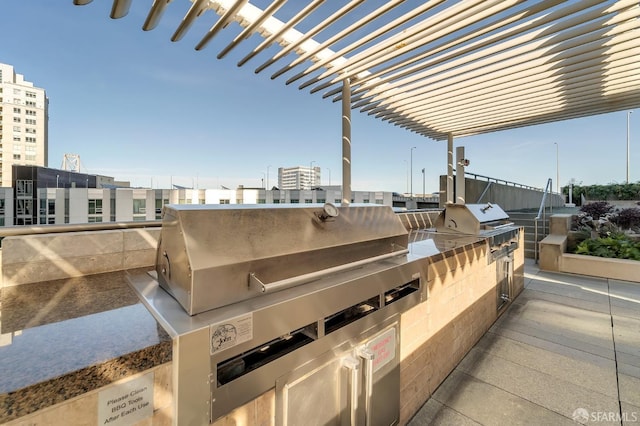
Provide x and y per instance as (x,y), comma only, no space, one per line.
(49,247)
(141,239)
(139,259)
(82,410)
(64,388)
(22,273)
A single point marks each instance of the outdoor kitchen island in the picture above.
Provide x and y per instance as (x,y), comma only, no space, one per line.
(379,335)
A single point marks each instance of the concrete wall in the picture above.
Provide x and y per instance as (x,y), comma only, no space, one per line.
(45,257)
(509,197)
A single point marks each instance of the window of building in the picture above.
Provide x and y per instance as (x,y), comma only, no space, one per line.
(276,201)
(17,120)
(17,139)
(30,103)
(30,121)
(295,201)
(322,200)
(1,206)
(24,207)
(43,209)
(225,201)
(30,94)
(308,201)
(262,201)
(112,205)
(17,129)
(366,200)
(24,188)
(159,204)
(51,207)
(95,206)
(337,200)
(29,112)
(95,219)
(30,153)
(379,201)
(30,130)
(30,139)
(139,206)
(17,110)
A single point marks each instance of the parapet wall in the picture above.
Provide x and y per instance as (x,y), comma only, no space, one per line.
(45,257)
(508,196)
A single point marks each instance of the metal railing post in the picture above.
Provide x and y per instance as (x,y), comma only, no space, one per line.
(541,213)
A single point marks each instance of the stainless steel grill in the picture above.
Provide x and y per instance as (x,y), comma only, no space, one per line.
(485,220)
(264,297)
(491,222)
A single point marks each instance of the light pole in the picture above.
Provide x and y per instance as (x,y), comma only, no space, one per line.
(557,168)
(628,116)
(412,148)
(268,167)
(423,181)
(311,175)
(406,164)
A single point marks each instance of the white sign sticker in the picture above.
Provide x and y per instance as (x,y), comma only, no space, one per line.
(126,403)
(232,332)
(384,348)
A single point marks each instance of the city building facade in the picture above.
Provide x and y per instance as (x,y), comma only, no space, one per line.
(74,205)
(299,177)
(23,123)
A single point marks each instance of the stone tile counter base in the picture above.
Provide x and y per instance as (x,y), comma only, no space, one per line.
(83,410)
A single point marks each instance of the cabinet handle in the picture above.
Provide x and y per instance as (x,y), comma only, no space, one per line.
(368,356)
(353,365)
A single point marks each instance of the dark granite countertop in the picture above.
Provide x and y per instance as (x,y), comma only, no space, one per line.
(60,339)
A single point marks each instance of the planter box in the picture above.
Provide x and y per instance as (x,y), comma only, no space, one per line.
(618,269)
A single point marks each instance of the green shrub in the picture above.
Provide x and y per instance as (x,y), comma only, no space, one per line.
(614,246)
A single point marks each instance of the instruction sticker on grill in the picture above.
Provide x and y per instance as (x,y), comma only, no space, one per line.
(384,349)
(232,332)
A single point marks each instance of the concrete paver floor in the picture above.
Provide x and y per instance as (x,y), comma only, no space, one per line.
(567,351)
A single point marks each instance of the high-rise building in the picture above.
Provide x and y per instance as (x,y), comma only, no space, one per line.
(298,177)
(24,124)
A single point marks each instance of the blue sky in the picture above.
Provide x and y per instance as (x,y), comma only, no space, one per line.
(136,106)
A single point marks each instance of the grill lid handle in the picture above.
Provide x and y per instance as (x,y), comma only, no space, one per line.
(256,283)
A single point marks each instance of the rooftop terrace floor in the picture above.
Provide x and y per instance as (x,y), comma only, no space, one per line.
(567,351)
